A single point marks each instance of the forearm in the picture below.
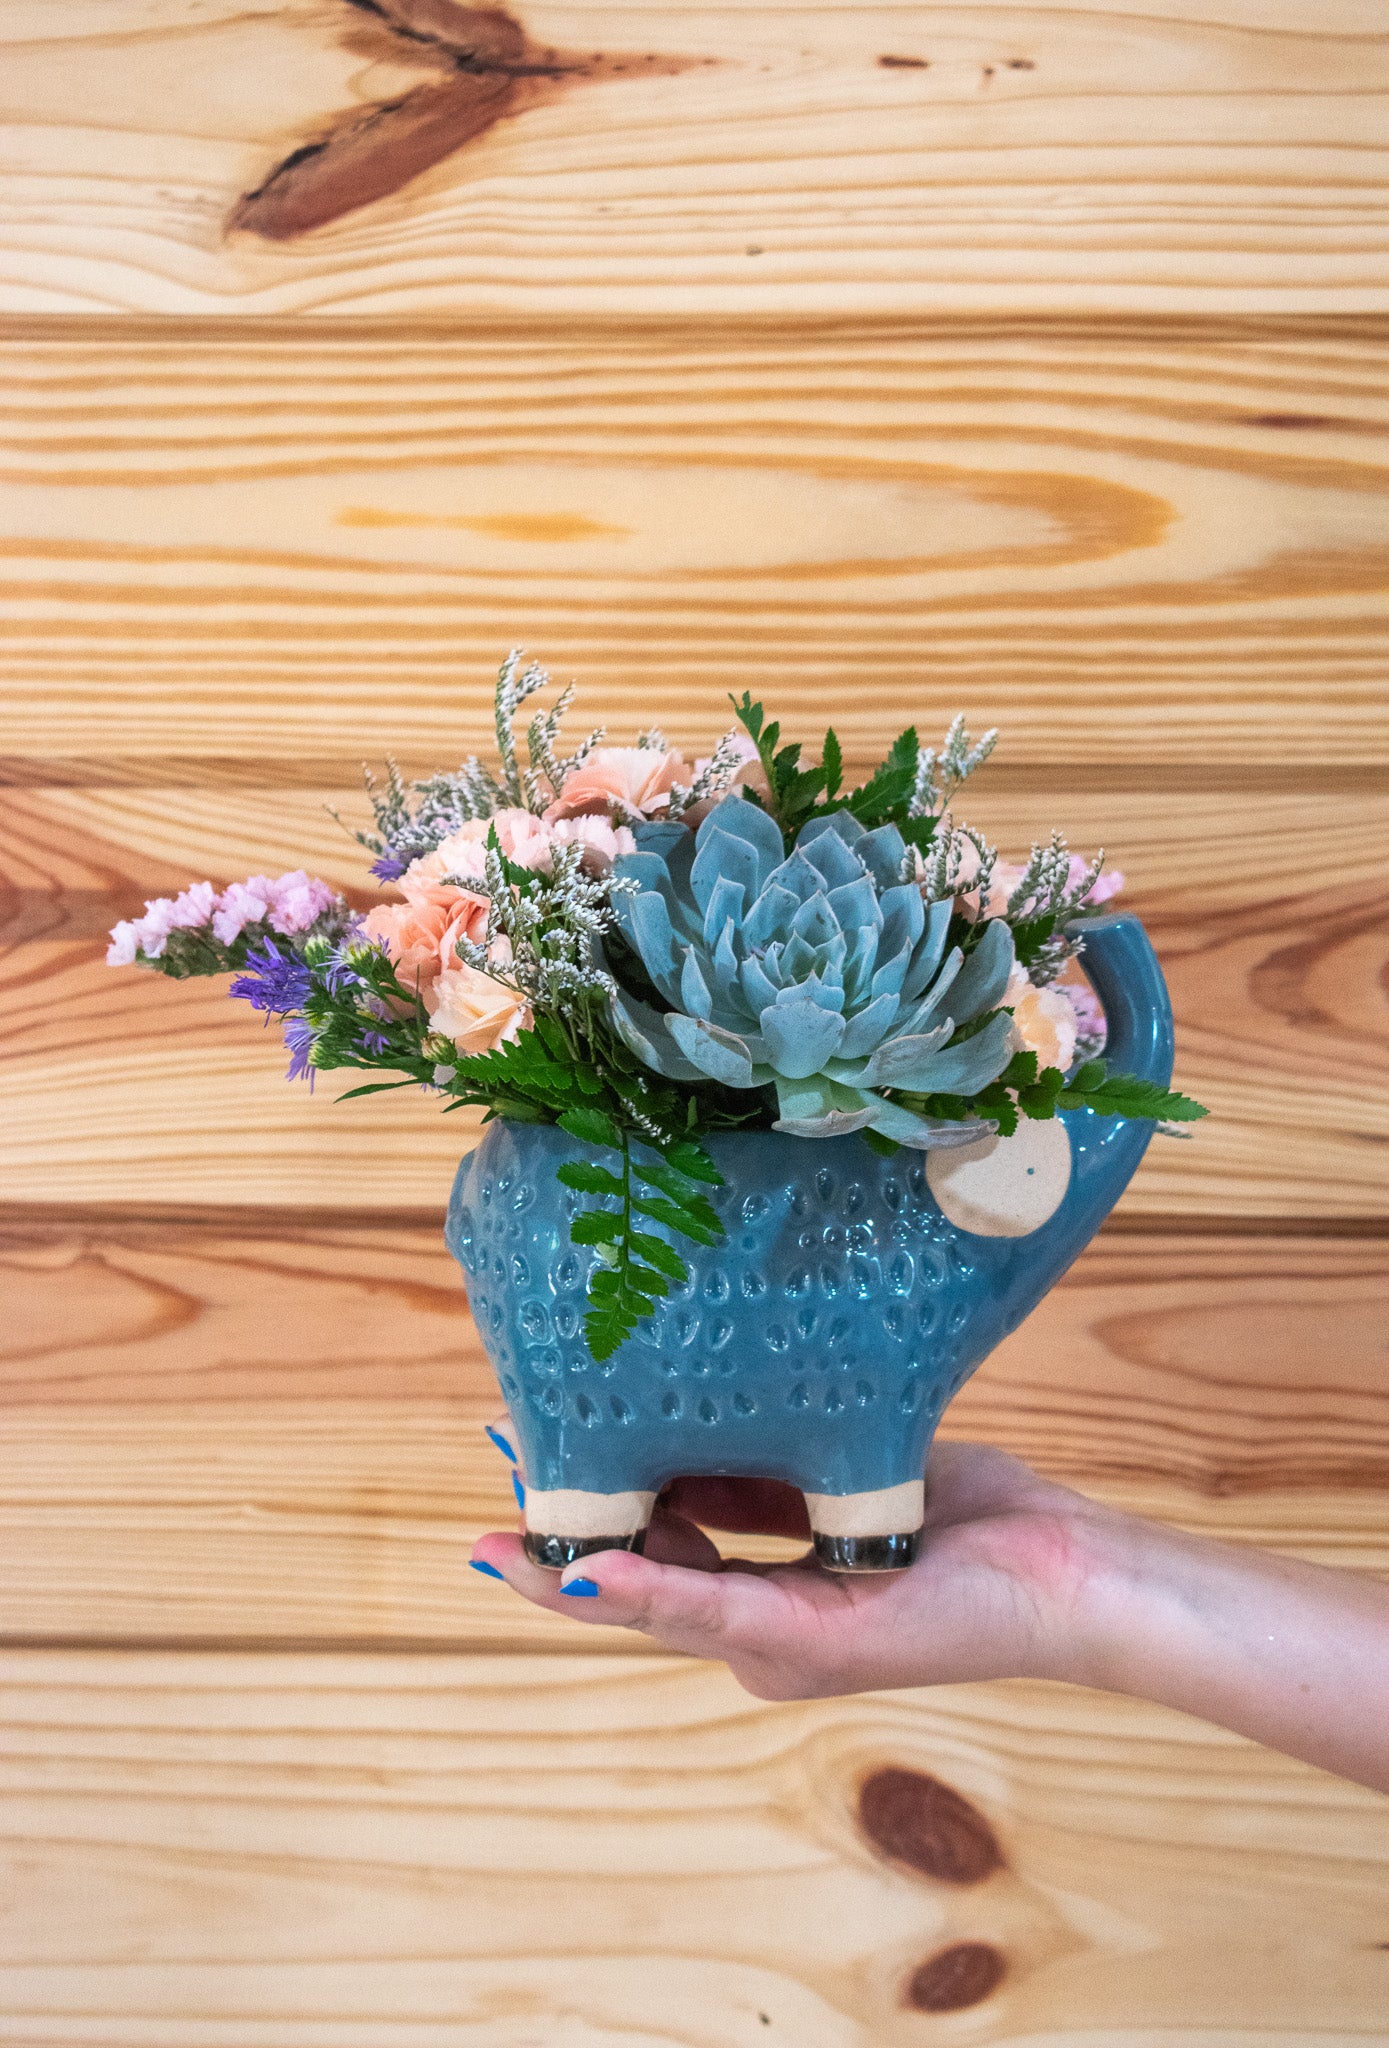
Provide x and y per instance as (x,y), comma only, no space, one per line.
(1290,1654)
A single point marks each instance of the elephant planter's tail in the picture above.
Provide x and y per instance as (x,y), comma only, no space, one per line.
(1120,961)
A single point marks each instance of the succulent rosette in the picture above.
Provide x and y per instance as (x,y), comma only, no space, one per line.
(821,973)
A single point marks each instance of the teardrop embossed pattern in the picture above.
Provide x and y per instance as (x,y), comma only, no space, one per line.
(818,1344)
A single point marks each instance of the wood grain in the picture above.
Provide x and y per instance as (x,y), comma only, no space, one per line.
(420,1852)
(241,553)
(789,159)
(271,1427)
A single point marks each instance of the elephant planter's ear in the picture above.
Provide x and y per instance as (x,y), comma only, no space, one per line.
(1004,1187)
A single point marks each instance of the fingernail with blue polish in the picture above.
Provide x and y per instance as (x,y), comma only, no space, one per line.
(518,1490)
(480,1565)
(582,1589)
(502,1445)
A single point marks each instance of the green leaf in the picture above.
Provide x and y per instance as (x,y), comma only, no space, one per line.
(659,1254)
(606,1329)
(749,715)
(701,1214)
(1020,1072)
(1030,936)
(375,1088)
(1127,1095)
(676,1218)
(876,1142)
(1037,1102)
(832,764)
(645,1281)
(689,1157)
(1090,1075)
(588,1178)
(596,1226)
(591,1126)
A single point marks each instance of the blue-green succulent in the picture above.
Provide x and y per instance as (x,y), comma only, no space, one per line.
(821,973)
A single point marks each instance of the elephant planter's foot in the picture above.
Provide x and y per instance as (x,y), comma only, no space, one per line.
(868,1532)
(567,1523)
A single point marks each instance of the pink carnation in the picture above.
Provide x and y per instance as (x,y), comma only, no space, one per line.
(522,837)
(1044,1021)
(630,778)
(602,841)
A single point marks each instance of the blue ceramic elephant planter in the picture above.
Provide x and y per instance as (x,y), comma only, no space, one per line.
(819,1343)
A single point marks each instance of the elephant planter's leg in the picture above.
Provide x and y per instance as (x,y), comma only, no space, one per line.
(868,1532)
(566,1523)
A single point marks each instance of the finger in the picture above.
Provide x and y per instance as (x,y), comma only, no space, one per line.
(721,1614)
(744,1507)
(500,1435)
(703,1613)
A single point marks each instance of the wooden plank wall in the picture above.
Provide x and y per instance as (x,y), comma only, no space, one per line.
(887,360)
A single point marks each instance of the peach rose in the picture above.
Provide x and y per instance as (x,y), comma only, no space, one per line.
(1043,1021)
(475,1011)
(636,778)
(421,934)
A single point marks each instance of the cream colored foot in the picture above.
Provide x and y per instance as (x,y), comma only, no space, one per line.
(868,1532)
(566,1523)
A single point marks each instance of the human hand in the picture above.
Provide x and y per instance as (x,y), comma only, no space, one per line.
(1002,1588)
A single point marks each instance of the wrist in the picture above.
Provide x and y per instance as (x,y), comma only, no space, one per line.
(1097,1619)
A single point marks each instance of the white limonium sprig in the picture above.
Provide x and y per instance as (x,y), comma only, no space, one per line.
(940,771)
(714,780)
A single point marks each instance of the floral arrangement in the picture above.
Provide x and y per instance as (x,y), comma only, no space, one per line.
(645,951)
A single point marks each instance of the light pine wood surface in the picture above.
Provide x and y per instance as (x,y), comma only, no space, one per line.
(430,1851)
(257,553)
(702,160)
(888,361)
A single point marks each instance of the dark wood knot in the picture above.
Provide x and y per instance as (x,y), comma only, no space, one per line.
(915,1819)
(962,1975)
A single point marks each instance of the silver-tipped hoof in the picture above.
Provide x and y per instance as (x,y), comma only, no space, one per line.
(868,1553)
(555,1552)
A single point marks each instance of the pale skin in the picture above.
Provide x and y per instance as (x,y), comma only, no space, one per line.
(1017,1578)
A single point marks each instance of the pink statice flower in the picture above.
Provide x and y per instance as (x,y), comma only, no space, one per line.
(240,904)
(125,944)
(149,934)
(297,901)
(1091,1029)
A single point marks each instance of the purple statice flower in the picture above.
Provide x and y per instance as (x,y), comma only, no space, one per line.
(276,982)
(389,867)
(300,1038)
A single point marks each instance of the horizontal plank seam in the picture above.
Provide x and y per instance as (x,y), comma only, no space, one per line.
(21,1219)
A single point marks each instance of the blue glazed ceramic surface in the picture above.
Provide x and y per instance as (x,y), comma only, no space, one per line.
(820,1342)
